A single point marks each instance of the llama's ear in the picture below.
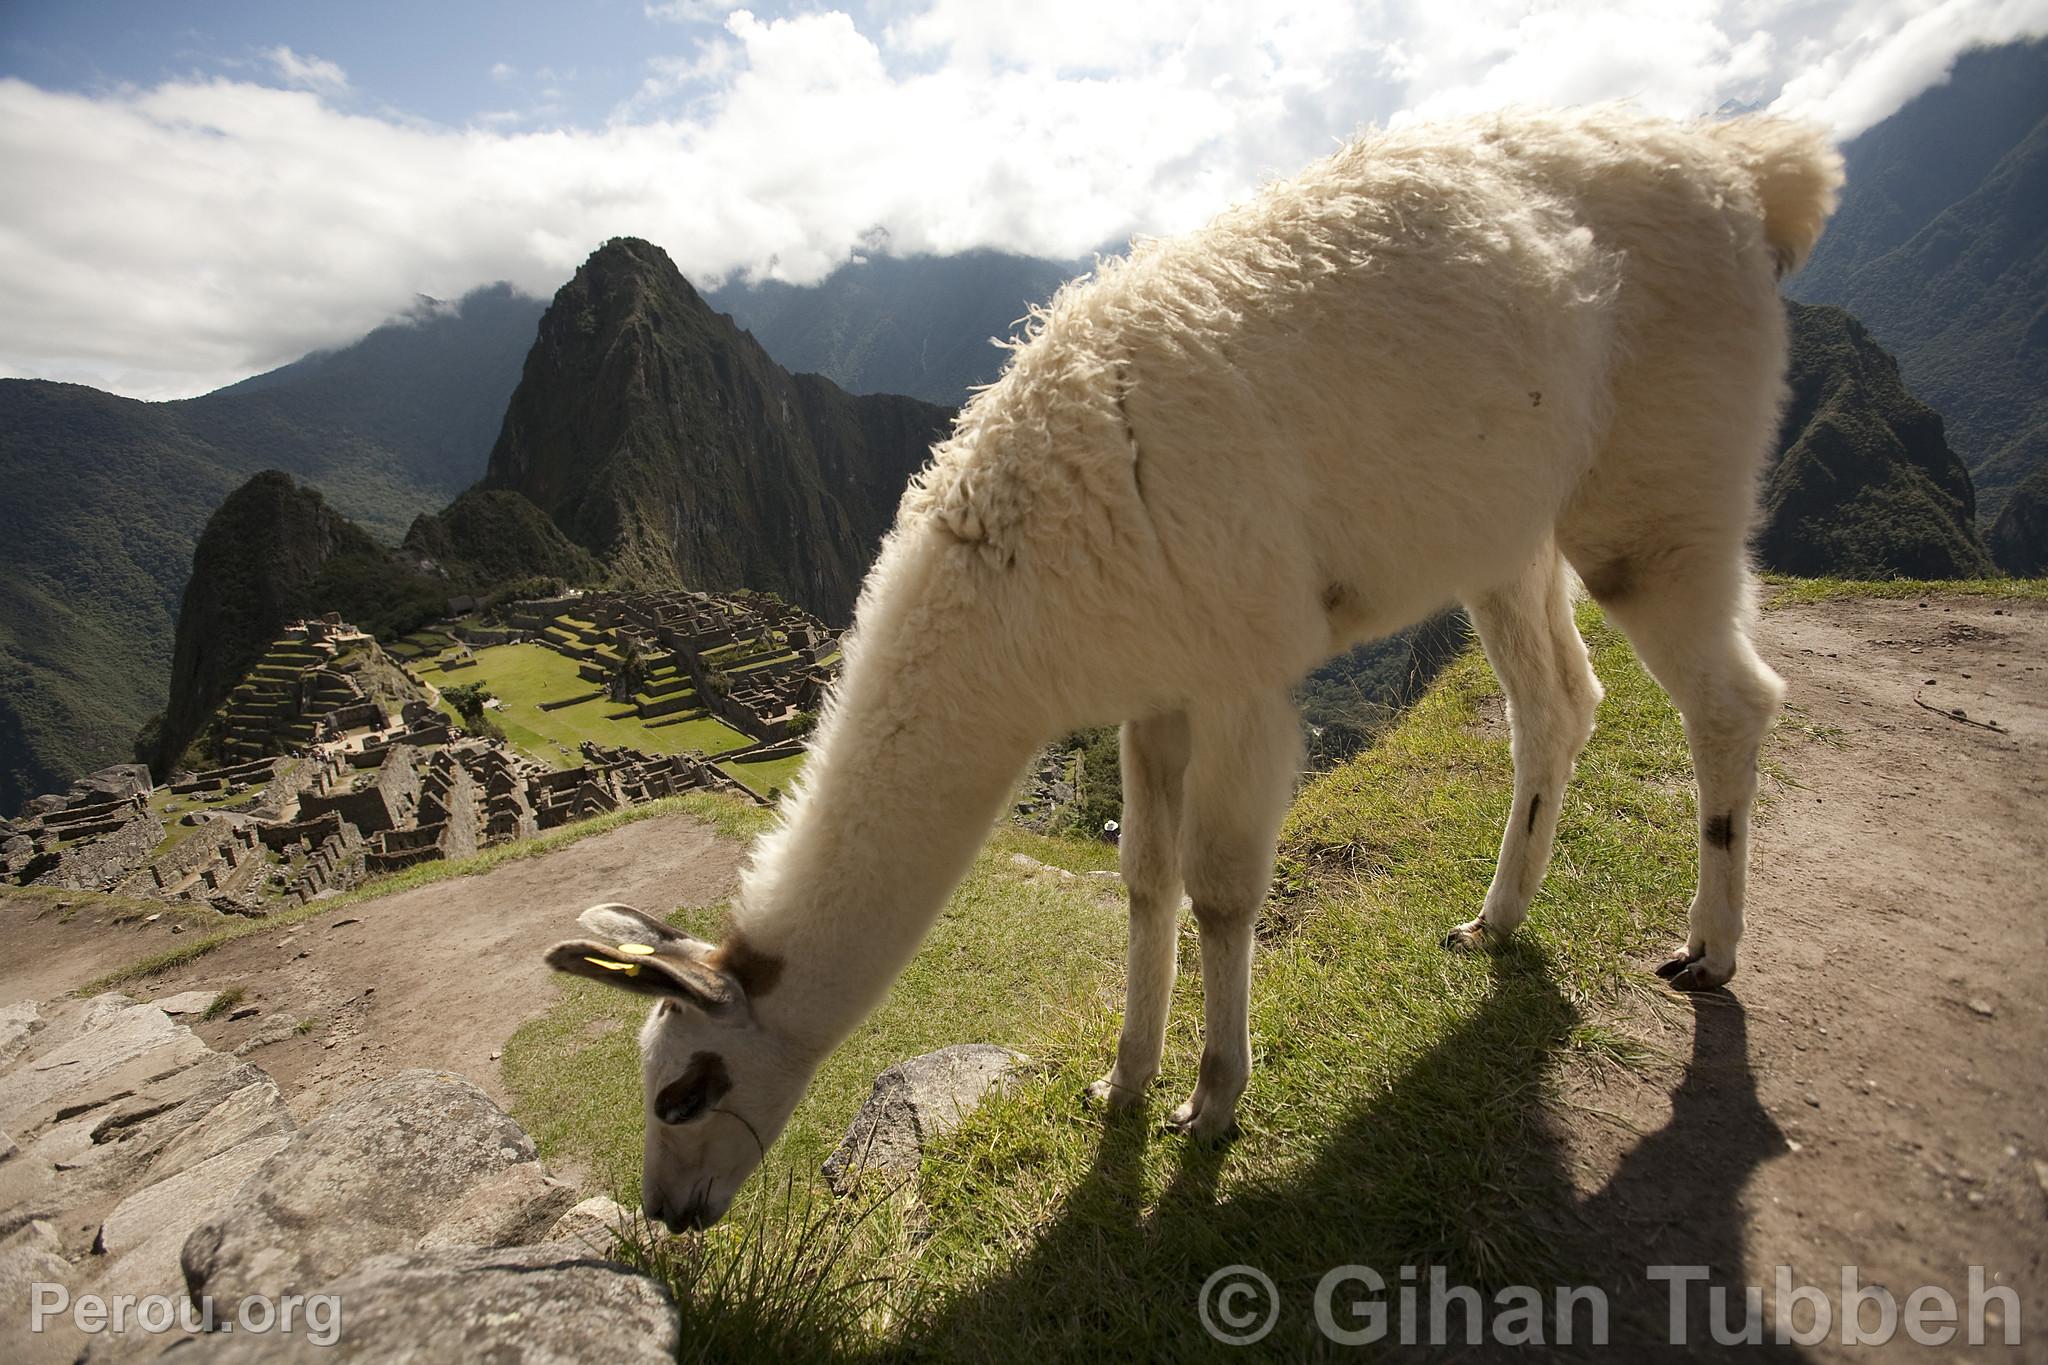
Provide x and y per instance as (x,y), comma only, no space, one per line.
(637,967)
(624,924)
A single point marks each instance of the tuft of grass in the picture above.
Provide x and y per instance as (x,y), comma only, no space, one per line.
(800,1277)
(222,1003)
(730,816)
(305,1026)
(1785,591)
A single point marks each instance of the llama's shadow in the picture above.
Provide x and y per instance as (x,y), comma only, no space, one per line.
(1439,1170)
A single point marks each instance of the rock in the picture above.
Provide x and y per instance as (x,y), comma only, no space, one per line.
(516,1208)
(1983,1009)
(255,1110)
(17,1025)
(913,1103)
(186,1002)
(595,1226)
(164,1214)
(119,782)
(275,1029)
(532,1303)
(31,1254)
(106,1042)
(372,1173)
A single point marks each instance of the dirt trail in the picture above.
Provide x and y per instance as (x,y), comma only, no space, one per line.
(437,976)
(1868,1090)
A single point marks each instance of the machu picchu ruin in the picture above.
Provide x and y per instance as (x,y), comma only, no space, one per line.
(336,760)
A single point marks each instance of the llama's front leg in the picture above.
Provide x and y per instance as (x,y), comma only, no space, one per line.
(1211,1112)
(1155,757)
(1552,695)
(1242,767)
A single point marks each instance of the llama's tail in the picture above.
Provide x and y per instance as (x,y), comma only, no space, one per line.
(1797,173)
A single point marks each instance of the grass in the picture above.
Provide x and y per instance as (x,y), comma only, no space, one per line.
(523,676)
(222,1003)
(1798,592)
(767,776)
(732,817)
(1404,1108)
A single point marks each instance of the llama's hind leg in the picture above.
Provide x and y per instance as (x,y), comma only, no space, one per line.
(1686,615)
(1243,766)
(1154,759)
(1527,630)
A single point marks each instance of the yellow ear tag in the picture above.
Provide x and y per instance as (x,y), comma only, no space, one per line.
(635,949)
(628,968)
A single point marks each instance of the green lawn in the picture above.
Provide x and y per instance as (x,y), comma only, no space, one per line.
(525,675)
(1403,1111)
(764,777)
(1781,591)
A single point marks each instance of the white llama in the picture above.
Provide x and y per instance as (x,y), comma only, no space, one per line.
(1438,365)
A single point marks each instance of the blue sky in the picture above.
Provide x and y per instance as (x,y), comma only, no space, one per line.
(199,191)
(448,62)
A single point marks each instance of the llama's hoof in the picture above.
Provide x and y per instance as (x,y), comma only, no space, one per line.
(1688,971)
(1204,1123)
(1107,1094)
(1470,938)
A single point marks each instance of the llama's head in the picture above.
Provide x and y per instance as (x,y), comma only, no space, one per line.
(718,1082)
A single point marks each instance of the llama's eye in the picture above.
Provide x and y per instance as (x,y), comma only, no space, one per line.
(703,1083)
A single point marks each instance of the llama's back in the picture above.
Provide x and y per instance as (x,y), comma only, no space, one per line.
(1381,382)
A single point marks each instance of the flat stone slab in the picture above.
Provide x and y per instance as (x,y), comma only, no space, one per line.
(368,1176)
(912,1104)
(254,1110)
(529,1304)
(186,1199)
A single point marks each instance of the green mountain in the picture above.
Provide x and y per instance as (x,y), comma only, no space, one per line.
(1863,484)
(273,552)
(917,325)
(2019,538)
(1941,248)
(488,538)
(661,438)
(102,500)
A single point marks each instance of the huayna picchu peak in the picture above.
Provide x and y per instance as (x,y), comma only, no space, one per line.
(661,438)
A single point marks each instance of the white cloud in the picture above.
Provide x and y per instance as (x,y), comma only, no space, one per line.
(308,72)
(691,11)
(163,241)
(1875,57)
(503,71)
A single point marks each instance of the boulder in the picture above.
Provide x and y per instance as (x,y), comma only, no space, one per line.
(118,782)
(371,1174)
(532,1303)
(913,1103)
(514,1209)
(594,1226)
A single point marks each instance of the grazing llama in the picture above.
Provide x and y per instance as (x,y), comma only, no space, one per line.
(1439,365)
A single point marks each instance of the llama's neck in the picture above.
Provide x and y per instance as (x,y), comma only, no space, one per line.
(907,774)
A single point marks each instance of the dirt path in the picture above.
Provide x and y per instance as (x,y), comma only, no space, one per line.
(1868,1091)
(438,976)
